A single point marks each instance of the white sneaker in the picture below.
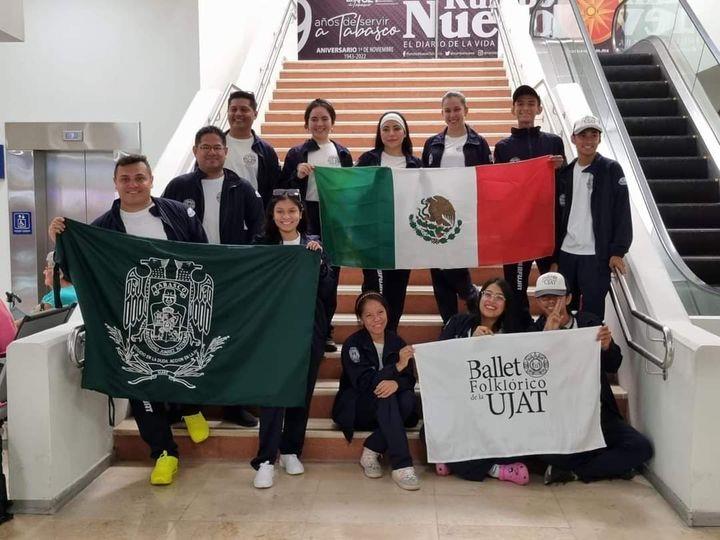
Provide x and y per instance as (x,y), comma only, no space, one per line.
(291,464)
(370,463)
(264,475)
(406,478)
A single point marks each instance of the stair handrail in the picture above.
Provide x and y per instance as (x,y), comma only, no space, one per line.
(631,155)
(216,118)
(288,17)
(619,283)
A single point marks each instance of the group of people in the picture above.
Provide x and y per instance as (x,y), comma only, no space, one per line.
(238,194)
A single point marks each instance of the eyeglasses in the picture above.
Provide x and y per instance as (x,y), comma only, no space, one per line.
(215,147)
(294,193)
(487,295)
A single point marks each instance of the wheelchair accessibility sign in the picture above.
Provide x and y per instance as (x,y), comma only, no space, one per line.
(22,223)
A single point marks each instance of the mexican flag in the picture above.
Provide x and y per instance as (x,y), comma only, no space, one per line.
(192,323)
(377,217)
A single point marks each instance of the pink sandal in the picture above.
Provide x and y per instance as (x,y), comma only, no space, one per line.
(442,469)
(514,472)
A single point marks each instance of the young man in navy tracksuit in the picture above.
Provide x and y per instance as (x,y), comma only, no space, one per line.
(593,221)
(249,156)
(230,208)
(627,449)
(136,212)
(526,141)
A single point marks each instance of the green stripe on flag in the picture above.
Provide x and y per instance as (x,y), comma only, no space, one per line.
(357,215)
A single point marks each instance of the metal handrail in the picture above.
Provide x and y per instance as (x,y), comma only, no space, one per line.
(267,71)
(709,43)
(216,117)
(76,346)
(663,363)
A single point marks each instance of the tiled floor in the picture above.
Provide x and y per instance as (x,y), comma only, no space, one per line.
(217,500)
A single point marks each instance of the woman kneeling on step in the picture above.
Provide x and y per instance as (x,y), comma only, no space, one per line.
(377,392)
(492,312)
(283,429)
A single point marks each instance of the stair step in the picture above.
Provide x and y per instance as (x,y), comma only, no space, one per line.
(656,125)
(433,92)
(401,103)
(648,106)
(633,73)
(354,276)
(322,442)
(696,242)
(317,84)
(397,64)
(684,190)
(368,115)
(690,216)
(345,126)
(706,267)
(625,59)
(674,167)
(422,73)
(412,328)
(665,145)
(420,299)
(654,89)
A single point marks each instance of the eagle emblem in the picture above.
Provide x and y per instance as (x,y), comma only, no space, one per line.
(435,220)
(167,314)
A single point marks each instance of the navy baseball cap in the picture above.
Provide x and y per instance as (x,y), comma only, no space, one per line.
(525,90)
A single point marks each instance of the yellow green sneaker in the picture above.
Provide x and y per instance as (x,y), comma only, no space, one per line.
(197,427)
(166,468)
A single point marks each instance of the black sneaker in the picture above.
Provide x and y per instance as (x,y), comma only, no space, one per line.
(330,345)
(556,475)
(240,416)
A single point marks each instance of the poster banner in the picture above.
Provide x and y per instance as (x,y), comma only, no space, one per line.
(511,395)
(387,29)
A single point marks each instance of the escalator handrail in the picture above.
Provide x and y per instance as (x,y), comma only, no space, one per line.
(709,43)
(631,156)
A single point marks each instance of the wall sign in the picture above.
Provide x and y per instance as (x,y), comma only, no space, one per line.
(374,29)
(22,223)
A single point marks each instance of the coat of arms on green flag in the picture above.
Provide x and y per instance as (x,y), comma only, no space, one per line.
(192,323)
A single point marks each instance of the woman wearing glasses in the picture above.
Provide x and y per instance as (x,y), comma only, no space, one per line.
(458,145)
(283,429)
(297,173)
(393,148)
(493,312)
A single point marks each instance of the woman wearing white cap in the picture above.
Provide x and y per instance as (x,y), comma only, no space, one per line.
(393,148)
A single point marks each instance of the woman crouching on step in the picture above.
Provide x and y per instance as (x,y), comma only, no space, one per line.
(377,392)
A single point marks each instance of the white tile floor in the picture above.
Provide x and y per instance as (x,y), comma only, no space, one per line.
(217,500)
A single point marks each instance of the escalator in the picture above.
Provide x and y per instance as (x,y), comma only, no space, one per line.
(666,144)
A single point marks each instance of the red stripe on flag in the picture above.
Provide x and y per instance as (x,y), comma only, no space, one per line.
(516,211)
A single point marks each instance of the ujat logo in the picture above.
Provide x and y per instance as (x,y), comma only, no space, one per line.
(509,387)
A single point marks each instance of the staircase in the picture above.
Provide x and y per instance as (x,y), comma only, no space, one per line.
(360,92)
(677,171)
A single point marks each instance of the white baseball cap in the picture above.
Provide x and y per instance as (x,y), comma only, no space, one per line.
(550,284)
(586,122)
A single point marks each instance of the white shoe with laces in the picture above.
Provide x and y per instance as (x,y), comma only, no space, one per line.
(291,464)
(264,475)
(370,463)
(406,478)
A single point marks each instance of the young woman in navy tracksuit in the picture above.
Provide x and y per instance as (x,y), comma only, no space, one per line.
(283,429)
(457,146)
(393,148)
(377,392)
(297,173)
(494,312)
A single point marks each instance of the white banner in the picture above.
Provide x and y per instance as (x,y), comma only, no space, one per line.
(511,395)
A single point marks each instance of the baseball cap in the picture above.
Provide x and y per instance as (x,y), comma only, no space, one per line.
(551,283)
(586,122)
(525,90)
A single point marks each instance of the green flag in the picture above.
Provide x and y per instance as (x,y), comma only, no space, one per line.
(192,323)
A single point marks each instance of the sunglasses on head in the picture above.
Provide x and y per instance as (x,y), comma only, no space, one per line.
(293,193)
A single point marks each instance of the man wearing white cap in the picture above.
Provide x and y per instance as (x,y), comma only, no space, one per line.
(627,449)
(594,227)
